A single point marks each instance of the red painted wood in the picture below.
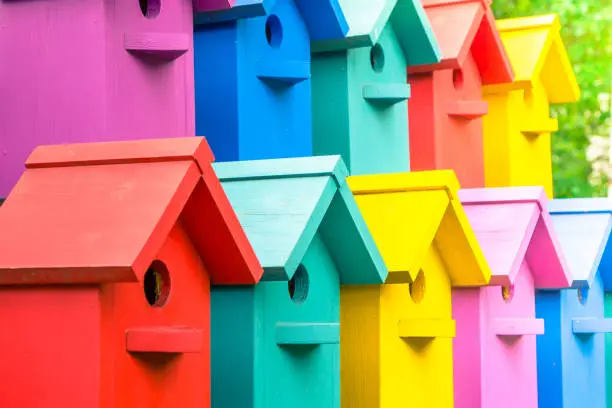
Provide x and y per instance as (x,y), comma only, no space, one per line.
(445,127)
(164,340)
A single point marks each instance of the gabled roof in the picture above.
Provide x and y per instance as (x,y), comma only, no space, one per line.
(100,212)
(324,18)
(368,18)
(512,225)
(583,226)
(536,51)
(464,25)
(409,212)
(282,203)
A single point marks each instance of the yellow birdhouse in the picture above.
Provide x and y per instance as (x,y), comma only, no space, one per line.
(517,130)
(397,337)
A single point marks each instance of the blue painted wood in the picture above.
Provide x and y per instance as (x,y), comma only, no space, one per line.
(241,9)
(252,77)
(276,344)
(571,353)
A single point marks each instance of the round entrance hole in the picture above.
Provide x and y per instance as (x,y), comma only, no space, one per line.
(583,295)
(157,284)
(377,58)
(150,8)
(458,79)
(417,288)
(507,293)
(299,285)
(274,31)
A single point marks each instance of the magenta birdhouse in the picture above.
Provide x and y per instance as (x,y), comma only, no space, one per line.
(93,71)
(495,346)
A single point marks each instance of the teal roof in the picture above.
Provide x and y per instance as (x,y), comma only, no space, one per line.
(282,203)
(368,18)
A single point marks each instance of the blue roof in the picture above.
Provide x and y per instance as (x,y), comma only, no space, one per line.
(282,203)
(583,226)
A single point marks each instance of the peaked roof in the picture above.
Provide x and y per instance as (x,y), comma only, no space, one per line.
(282,203)
(583,226)
(100,212)
(324,18)
(368,18)
(512,225)
(409,212)
(536,50)
(462,26)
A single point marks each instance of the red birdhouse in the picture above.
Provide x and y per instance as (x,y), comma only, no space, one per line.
(107,254)
(446,106)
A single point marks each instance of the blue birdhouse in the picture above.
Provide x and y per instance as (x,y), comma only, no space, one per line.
(360,88)
(276,344)
(571,353)
(252,75)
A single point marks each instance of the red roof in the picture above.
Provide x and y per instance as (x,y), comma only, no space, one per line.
(99,212)
(464,25)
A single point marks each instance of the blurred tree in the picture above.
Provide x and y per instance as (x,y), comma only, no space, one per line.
(587,32)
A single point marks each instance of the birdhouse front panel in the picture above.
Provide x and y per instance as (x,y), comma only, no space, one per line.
(130,74)
(254,101)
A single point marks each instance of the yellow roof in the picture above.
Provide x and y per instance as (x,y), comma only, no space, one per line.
(407,212)
(536,50)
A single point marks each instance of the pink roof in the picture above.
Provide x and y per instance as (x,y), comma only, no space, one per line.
(512,224)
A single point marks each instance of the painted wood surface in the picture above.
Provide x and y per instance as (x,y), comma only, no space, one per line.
(358,84)
(253,99)
(514,229)
(117,284)
(572,355)
(517,130)
(397,337)
(79,73)
(446,108)
(282,346)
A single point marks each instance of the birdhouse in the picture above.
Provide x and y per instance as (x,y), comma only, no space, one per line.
(397,338)
(93,71)
(106,261)
(495,346)
(518,128)
(571,354)
(276,344)
(446,108)
(359,84)
(252,75)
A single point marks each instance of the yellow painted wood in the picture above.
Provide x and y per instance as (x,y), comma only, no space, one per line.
(518,127)
(396,345)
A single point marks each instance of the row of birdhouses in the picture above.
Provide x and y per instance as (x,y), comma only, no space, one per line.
(138,273)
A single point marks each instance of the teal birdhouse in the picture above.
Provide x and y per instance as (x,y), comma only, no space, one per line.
(360,88)
(276,344)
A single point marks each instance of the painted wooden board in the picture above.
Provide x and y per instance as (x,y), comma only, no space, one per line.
(572,354)
(253,99)
(518,128)
(91,72)
(359,85)
(446,108)
(282,347)
(108,262)
(397,337)
(495,347)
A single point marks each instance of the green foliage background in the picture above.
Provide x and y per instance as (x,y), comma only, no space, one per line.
(587,32)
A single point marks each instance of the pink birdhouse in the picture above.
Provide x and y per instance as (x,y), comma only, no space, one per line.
(495,346)
(93,71)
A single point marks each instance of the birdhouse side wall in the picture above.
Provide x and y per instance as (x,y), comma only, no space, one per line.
(468,312)
(458,136)
(330,105)
(378,127)
(584,372)
(422,127)
(510,364)
(550,362)
(154,380)
(362,346)
(608,344)
(217,80)
(52,347)
(497,140)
